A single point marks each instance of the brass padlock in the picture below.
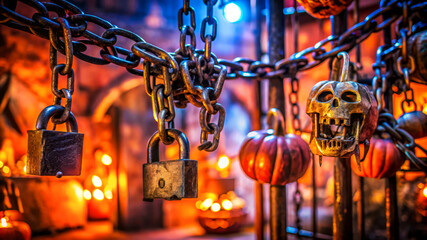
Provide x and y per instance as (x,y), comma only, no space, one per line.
(170,180)
(54,153)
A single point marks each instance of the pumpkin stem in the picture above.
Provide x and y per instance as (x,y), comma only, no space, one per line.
(276,121)
(344,65)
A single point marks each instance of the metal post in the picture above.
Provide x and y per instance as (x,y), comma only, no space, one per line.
(276,99)
(257,122)
(342,220)
(361,203)
(392,215)
(314,213)
(361,210)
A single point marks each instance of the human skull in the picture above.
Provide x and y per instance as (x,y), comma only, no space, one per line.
(343,114)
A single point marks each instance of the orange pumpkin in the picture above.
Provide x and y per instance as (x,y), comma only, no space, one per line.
(382,160)
(277,160)
(324,9)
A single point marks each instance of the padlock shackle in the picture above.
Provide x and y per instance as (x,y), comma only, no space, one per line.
(47,113)
(153,144)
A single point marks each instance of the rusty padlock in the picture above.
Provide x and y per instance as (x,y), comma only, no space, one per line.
(170,180)
(54,153)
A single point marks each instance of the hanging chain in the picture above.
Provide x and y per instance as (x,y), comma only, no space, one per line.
(189,75)
(61,69)
(405,63)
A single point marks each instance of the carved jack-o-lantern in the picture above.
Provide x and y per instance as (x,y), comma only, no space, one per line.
(343,114)
(324,8)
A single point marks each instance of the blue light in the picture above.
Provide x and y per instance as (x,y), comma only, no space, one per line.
(232,12)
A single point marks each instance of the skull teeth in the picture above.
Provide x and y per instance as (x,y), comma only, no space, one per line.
(335,121)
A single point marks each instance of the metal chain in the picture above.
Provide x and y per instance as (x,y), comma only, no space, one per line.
(61,69)
(402,139)
(204,70)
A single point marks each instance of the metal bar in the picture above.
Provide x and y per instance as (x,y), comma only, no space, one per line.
(392,215)
(361,210)
(342,220)
(257,121)
(276,99)
(361,203)
(314,210)
(259,214)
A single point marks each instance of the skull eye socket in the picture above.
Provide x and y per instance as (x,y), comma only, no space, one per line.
(349,96)
(325,96)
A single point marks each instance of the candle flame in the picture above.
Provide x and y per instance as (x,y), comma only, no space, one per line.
(87,195)
(108,194)
(3,222)
(425,191)
(216,207)
(97,182)
(106,159)
(425,109)
(223,162)
(98,194)
(227,204)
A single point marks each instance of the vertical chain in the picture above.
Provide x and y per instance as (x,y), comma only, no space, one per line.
(61,69)
(296,121)
(405,62)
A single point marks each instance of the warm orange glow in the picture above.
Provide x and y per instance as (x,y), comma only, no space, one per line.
(3,222)
(425,109)
(98,194)
(87,195)
(6,170)
(1,164)
(25,168)
(206,204)
(425,191)
(97,182)
(227,205)
(108,194)
(223,162)
(215,207)
(106,159)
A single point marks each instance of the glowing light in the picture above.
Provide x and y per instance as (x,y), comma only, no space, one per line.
(108,194)
(1,164)
(106,159)
(6,169)
(223,162)
(87,195)
(425,191)
(98,194)
(227,205)
(232,12)
(215,207)
(425,109)
(3,222)
(97,182)
(206,204)
(25,168)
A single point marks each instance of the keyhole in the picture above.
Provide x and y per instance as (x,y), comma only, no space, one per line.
(161,183)
(335,102)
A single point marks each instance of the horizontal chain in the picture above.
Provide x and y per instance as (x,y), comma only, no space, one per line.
(40,23)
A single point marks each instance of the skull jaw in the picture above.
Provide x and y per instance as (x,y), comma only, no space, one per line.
(316,148)
(331,146)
